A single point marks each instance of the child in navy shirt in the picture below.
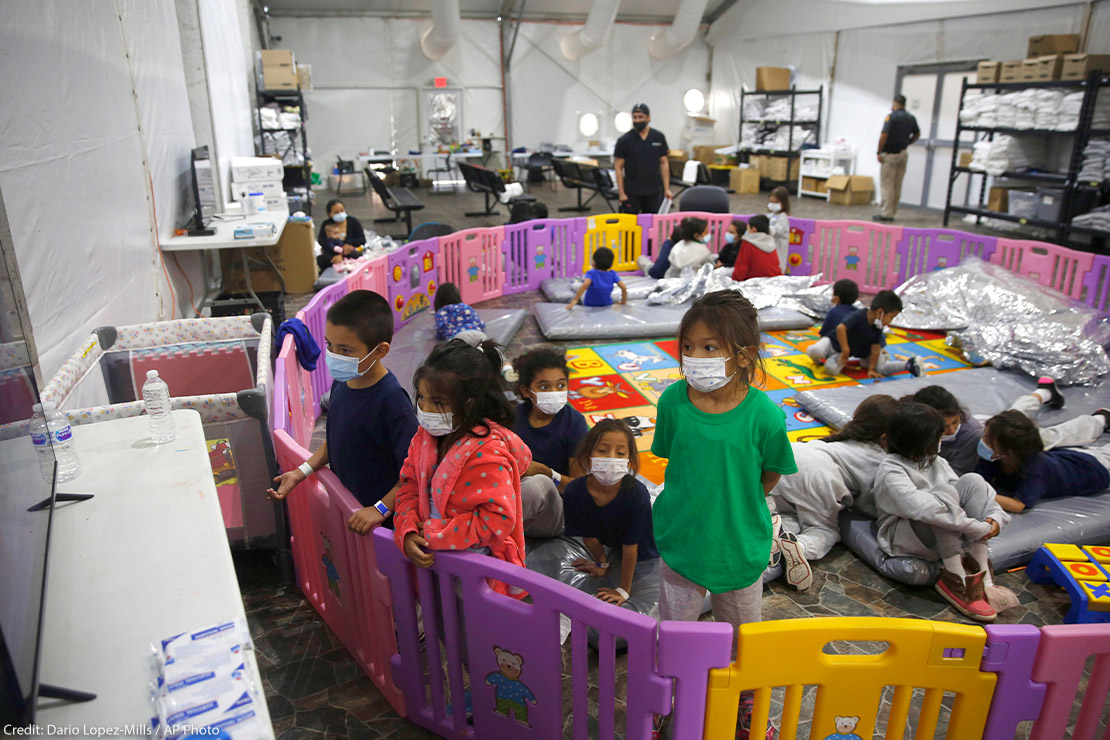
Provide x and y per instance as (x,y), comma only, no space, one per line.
(552,430)
(861,335)
(844,297)
(370,421)
(453,316)
(609,508)
(599,282)
(1014,460)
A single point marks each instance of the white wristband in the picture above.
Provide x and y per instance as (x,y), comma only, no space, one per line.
(306,469)
(622,592)
(555,477)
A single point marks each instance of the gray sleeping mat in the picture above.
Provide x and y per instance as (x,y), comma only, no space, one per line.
(412,342)
(1081,520)
(563,289)
(328,277)
(637,320)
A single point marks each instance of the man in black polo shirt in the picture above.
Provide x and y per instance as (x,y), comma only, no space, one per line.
(640,159)
(899,131)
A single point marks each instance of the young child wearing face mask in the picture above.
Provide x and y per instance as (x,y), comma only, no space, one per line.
(711,522)
(460,484)
(552,430)
(370,420)
(861,335)
(609,508)
(778,211)
(692,250)
(727,255)
(757,256)
(927,511)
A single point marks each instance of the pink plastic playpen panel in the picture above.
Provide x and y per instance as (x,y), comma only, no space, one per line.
(662,225)
(864,252)
(314,316)
(926,250)
(371,276)
(292,409)
(413,279)
(1061,658)
(472,260)
(338,571)
(1049,264)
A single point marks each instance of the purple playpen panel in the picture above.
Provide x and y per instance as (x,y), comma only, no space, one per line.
(1096,284)
(413,278)
(687,651)
(1010,652)
(926,250)
(864,252)
(513,653)
(1048,264)
(566,246)
(1061,658)
(520,268)
(472,260)
(801,229)
(314,316)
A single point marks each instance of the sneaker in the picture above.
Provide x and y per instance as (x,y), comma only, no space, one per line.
(798,573)
(1105,414)
(881,218)
(509,374)
(1057,400)
(776,528)
(915,368)
(966,595)
(744,722)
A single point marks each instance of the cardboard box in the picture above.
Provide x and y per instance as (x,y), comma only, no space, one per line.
(772,78)
(999,198)
(965,159)
(988,72)
(279,78)
(277,58)
(707,155)
(1061,43)
(774,168)
(268,188)
(1011,71)
(744,180)
(815,184)
(679,155)
(1045,69)
(293,255)
(1029,70)
(850,190)
(1078,66)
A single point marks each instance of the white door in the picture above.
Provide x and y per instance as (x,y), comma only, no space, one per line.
(921,93)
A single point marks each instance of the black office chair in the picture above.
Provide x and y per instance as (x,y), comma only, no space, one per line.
(706,198)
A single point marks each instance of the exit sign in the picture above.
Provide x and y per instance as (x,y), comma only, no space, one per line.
(441,82)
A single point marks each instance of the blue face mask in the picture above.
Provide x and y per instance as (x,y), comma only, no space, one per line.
(343,368)
(730,237)
(985,451)
(704,239)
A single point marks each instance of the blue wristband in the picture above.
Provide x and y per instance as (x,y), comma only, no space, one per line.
(383,510)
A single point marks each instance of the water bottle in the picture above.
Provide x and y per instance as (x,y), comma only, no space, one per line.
(53,440)
(156,399)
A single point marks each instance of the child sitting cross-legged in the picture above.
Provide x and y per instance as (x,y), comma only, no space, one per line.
(597,288)
(860,335)
(609,508)
(927,511)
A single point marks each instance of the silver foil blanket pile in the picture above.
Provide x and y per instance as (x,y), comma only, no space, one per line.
(779,291)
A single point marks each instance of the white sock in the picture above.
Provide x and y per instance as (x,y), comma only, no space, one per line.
(954,565)
(1044,394)
(978,552)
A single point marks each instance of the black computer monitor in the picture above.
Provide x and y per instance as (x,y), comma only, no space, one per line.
(198,226)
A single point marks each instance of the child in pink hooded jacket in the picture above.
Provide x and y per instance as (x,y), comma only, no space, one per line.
(460,484)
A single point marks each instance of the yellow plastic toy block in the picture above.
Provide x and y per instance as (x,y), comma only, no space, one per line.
(1099,554)
(1065,553)
(620,232)
(1087,571)
(935,656)
(1098,595)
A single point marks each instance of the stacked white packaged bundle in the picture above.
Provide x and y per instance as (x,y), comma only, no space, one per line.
(1048,109)
(1068,116)
(1007,154)
(1006,115)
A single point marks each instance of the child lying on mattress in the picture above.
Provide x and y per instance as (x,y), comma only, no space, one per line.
(832,472)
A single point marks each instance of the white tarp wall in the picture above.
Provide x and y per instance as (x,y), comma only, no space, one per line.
(367,74)
(864,61)
(96,133)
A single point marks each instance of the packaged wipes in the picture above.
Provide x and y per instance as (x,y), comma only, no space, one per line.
(190,653)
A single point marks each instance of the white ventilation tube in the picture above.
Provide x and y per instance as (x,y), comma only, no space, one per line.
(680,33)
(603,13)
(444,31)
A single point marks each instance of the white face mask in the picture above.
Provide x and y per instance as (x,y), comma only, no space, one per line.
(339,217)
(879,321)
(608,470)
(952,436)
(705,374)
(551,402)
(774,207)
(435,423)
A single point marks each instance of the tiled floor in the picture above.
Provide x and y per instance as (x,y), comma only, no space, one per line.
(314,688)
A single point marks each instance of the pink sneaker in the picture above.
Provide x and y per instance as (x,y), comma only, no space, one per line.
(966,595)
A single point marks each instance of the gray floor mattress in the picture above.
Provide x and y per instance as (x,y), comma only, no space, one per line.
(638,320)
(563,289)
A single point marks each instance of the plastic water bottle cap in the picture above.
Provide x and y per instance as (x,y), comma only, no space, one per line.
(47,406)
(152,373)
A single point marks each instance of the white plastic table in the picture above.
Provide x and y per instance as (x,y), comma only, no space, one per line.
(145,559)
(224,238)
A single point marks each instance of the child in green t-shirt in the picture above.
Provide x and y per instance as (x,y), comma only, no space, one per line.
(726,447)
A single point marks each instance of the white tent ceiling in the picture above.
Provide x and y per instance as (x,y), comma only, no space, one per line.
(651,11)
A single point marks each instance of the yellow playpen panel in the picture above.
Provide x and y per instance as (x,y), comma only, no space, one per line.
(937,657)
(620,232)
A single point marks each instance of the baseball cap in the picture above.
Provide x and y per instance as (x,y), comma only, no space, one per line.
(642,108)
